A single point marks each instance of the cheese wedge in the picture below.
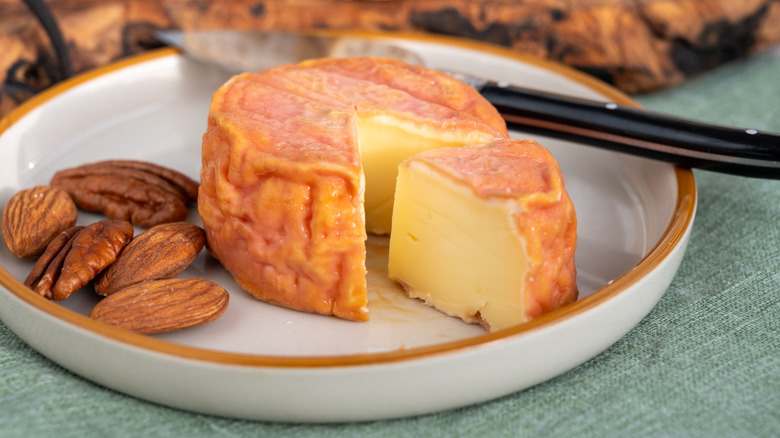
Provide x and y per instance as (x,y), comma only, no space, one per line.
(485,233)
(299,161)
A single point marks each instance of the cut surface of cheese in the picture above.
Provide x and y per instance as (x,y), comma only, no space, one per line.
(383,147)
(485,233)
(294,156)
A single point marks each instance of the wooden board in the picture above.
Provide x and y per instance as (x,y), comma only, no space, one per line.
(636,45)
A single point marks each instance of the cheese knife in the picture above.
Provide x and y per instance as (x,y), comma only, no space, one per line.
(685,142)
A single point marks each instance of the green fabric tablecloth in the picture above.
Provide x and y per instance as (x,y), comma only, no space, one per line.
(705,362)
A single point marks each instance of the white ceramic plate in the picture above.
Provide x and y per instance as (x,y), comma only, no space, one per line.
(263,362)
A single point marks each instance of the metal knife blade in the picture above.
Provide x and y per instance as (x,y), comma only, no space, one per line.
(684,142)
(238,51)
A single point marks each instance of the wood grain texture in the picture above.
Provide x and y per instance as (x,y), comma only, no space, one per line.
(636,45)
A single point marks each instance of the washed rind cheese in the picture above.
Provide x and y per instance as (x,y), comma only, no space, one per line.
(300,161)
(486,233)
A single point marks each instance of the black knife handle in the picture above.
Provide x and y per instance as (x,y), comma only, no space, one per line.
(688,143)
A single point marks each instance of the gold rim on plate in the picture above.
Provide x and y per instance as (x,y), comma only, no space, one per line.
(673,235)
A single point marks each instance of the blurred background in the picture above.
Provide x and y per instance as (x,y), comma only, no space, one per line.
(636,45)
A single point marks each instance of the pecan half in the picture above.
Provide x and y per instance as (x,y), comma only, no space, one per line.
(52,259)
(35,216)
(80,256)
(160,252)
(143,193)
(163,305)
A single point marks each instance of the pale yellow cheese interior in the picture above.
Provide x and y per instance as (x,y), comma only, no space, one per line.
(456,251)
(384,143)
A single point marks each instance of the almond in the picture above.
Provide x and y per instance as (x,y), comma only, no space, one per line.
(34,217)
(163,305)
(160,252)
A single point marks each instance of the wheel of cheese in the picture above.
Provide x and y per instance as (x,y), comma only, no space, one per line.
(300,163)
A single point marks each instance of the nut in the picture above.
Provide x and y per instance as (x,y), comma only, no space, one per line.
(163,305)
(78,257)
(52,258)
(35,216)
(160,252)
(143,193)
